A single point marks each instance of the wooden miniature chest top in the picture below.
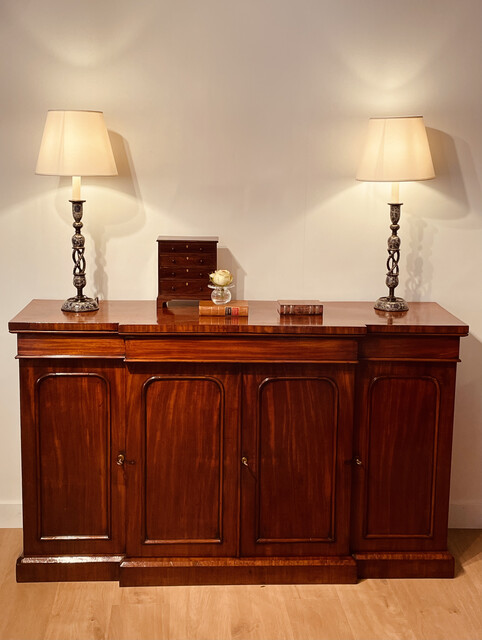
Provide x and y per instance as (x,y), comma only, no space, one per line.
(184,265)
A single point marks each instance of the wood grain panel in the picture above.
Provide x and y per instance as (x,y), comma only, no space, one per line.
(184,422)
(272,349)
(410,348)
(67,568)
(297,436)
(183,439)
(73,426)
(144,317)
(73,456)
(405,565)
(34,345)
(199,571)
(403,434)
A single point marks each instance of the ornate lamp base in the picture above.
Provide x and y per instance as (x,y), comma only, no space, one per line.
(79,304)
(391,304)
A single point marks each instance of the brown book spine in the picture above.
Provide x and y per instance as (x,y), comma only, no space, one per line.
(301,310)
(206,309)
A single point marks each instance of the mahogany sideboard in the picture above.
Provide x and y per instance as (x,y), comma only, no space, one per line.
(160,447)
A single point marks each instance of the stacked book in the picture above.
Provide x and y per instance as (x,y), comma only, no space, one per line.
(300,307)
(233,308)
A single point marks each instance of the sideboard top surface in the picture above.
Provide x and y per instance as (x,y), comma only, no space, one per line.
(143,317)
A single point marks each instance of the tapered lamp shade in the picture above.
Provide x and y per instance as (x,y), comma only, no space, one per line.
(75,143)
(396,150)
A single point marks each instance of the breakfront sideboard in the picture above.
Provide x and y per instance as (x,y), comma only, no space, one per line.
(160,447)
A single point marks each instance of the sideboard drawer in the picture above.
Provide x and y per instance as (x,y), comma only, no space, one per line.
(240,349)
(70,345)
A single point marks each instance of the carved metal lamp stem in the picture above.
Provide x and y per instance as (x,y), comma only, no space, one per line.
(79,303)
(391,302)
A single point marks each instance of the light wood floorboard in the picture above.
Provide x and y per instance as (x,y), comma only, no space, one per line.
(370,610)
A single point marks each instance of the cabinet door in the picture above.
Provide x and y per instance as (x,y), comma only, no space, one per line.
(403,442)
(72,430)
(182,435)
(296,453)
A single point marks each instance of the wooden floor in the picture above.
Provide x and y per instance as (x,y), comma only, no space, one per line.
(372,609)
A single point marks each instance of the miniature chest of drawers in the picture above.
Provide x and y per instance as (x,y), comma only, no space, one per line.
(184,265)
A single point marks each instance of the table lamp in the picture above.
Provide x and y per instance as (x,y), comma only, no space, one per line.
(76,143)
(396,150)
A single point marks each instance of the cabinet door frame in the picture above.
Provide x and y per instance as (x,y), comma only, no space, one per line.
(33,374)
(226,378)
(340,378)
(433,536)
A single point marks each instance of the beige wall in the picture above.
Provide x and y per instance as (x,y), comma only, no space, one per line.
(244,119)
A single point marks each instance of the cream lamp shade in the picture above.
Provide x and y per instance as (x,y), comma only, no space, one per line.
(396,150)
(75,143)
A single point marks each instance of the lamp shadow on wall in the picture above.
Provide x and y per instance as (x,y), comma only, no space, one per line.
(449,185)
(226,260)
(449,181)
(122,218)
(419,269)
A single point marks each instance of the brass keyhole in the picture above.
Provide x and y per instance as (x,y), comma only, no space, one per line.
(121,460)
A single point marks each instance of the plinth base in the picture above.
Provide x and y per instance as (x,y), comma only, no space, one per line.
(408,564)
(67,568)
(136,572)
(391,304)
(80,305)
